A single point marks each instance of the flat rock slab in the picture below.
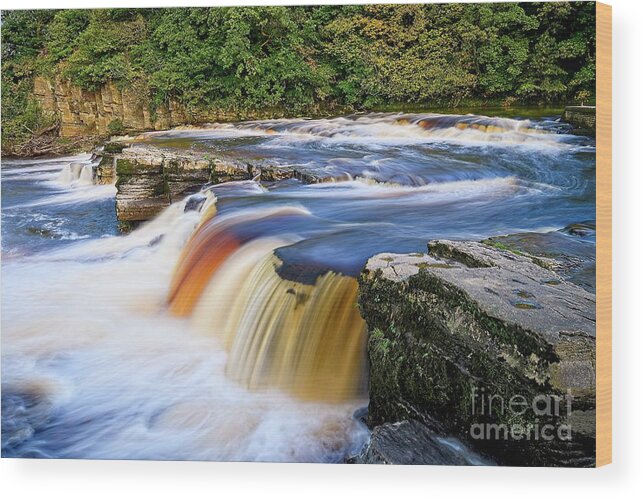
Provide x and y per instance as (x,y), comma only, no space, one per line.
(507,286)
(570,252)
(150,178)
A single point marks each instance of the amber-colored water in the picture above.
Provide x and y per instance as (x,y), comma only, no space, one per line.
(304,338)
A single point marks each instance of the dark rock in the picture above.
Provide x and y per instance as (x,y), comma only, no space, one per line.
(194,203)
(469,320)
(114,147)
(581,117)
(361,414)
(276,173)
(582,229)
(410,442)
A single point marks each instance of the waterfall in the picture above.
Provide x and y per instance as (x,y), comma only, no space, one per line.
(77,174)
(308,339)
(86,176)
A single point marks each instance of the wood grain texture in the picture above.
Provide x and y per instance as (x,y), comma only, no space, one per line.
(604,234)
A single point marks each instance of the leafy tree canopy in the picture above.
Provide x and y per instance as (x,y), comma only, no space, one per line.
(296,58)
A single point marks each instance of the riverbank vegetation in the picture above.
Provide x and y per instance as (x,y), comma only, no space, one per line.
(303,58)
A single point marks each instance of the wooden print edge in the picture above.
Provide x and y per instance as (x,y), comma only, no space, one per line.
(603,234)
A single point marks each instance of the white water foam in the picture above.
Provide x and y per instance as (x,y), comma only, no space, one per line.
(378,130)
(107,373)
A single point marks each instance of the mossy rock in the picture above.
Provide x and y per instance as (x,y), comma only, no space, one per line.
(444,326)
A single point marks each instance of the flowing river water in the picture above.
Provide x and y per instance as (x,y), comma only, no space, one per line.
(227,327)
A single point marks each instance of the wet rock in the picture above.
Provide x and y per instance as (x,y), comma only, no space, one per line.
(571,251)
(306,177)
(114,147)
(467,322)
(141,189)
(410,442)
(149,178)
(581,117)
(194,203)
(276,173)
(105,171)
(582,229)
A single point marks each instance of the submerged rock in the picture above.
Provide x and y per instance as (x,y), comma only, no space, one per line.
(495,346)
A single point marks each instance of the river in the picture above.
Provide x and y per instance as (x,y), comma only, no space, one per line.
(227,327)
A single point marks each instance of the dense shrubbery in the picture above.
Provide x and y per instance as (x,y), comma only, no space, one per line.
(300,57)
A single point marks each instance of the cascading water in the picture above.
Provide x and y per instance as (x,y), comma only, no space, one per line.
(77,174)
(306,338)
(227,327)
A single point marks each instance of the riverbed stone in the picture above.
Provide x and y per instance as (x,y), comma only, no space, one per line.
(410,442)
(467,321)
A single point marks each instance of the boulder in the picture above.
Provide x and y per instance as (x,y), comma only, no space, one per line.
(495,346)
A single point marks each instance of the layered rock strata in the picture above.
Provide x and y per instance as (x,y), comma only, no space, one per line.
(149,179)
(581,117)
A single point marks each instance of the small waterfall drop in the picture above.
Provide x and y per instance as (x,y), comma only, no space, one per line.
(86,176)
(308,339)
(76,174)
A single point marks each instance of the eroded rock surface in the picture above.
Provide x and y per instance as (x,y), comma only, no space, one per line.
(570,252)
(90,112)
(149,179)
(451,329)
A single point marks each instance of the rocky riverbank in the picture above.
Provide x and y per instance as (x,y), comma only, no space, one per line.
(485,344)
(149,178)
(583,118)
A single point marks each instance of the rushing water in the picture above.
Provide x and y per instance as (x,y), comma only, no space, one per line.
(230,331)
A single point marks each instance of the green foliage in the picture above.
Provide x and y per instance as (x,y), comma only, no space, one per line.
(298,59)
(23,35)
(115,127)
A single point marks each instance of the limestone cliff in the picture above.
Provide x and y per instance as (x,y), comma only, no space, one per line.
(85,112)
